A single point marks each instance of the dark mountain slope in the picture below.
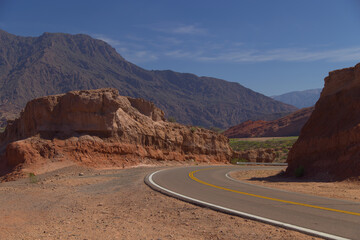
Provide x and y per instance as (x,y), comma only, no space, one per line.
(55,63)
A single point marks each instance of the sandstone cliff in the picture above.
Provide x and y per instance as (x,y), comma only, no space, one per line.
(289,125)
(102,128)
(329,143)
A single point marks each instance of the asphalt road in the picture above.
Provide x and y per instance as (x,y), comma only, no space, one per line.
(210,187)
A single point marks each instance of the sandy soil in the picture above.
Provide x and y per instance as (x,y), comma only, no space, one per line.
(347,190)
(79,203)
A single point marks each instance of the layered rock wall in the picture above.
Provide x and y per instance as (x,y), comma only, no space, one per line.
(102,128)
(329,143)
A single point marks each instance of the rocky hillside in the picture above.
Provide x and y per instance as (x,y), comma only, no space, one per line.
(289,125)
(56,63)
(300,99)
(101,128)
(329,143)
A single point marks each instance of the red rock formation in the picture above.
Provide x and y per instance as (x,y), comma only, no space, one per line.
(289,125)
(100,128)
(329,143)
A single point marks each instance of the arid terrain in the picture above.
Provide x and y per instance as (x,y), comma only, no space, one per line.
(347,190)
(113,204)
(95,102)
(76,163)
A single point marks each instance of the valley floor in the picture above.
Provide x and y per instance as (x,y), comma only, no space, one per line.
(80,203)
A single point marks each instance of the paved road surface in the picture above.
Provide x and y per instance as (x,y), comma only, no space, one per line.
(329,218)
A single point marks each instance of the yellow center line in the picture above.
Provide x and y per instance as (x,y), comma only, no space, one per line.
(191,175)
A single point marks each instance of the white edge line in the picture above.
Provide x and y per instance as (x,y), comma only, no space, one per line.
(242,214)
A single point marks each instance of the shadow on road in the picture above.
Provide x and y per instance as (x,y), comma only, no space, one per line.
(284,177)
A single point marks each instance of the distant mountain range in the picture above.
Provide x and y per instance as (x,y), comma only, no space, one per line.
(55,63)
(300,99)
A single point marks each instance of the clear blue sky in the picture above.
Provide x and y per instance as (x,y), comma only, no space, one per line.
(272,47)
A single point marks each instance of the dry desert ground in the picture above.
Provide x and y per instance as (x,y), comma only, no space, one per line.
(81,203)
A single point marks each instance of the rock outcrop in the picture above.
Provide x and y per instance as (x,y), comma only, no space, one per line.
(329,143)
(256,155)
(100,128)
(289,125)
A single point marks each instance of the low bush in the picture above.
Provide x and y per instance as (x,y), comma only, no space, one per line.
(33,178)
(193,129)
(171,119)
(299,171)
(236,160)
(281,145)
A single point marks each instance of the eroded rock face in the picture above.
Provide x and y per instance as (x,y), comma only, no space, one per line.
(102,128)
(256,155)
(329,143)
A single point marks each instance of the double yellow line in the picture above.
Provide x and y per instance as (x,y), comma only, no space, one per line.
(191,175)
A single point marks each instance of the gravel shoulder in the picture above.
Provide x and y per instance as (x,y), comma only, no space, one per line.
(113,204)
(346,190)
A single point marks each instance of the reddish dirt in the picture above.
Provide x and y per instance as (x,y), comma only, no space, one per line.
(113,204)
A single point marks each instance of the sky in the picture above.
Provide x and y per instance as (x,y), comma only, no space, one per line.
(271,47)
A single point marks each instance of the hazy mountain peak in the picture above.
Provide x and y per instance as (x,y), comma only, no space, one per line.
(300,99)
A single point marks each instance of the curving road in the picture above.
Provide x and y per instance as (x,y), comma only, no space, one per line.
(210,187)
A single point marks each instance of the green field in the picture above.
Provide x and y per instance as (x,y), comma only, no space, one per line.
(281,145)
(241,144)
